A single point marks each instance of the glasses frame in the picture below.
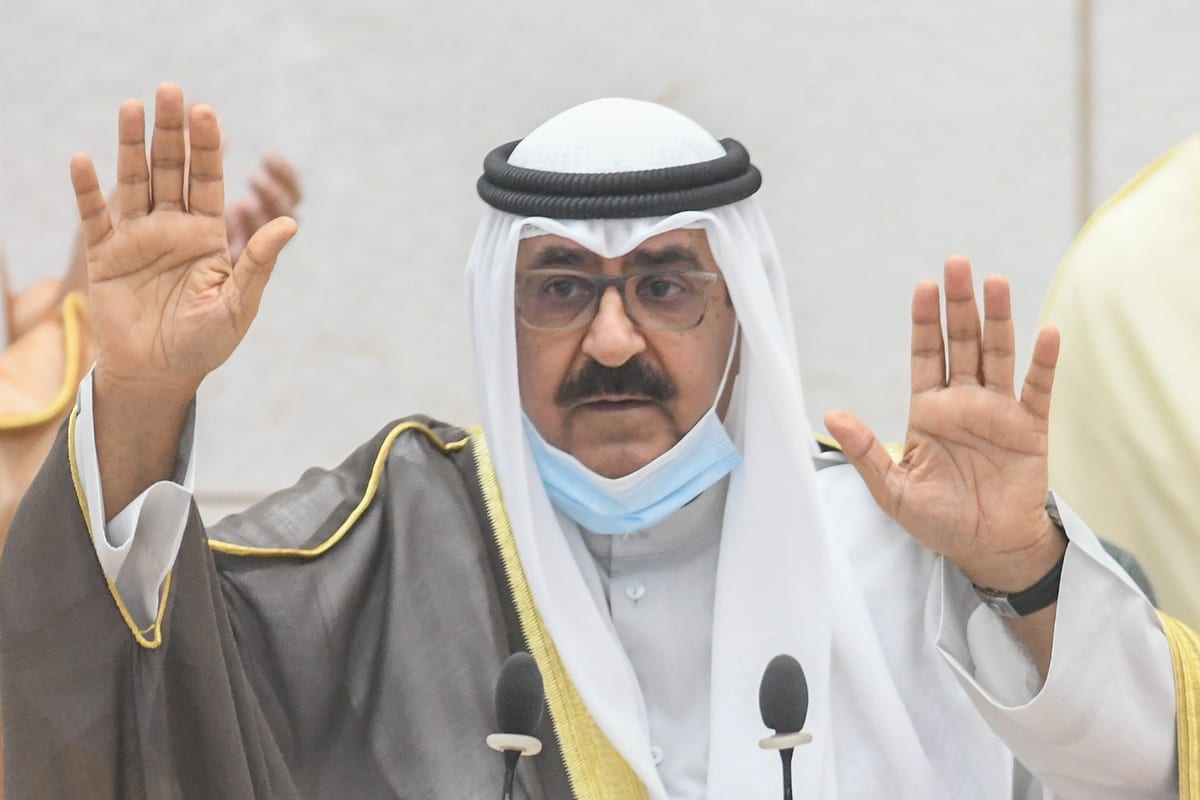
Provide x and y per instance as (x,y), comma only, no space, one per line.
(605,282)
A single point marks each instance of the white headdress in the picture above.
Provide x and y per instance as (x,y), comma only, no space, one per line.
(781,586)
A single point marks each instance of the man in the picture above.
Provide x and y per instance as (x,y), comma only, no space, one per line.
(642,510)
(1125,406)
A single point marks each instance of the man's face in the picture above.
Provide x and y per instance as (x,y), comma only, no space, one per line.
(613,393)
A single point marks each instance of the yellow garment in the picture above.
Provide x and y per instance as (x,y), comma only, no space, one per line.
(1185,653)
(1125,417)
(51,351)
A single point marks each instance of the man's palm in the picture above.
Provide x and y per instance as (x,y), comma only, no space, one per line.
(168,306)
(968,443)
(973,480)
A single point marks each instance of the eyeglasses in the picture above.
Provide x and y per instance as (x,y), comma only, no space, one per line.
(661,300)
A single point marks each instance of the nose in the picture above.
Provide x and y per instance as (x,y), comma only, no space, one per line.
(612,338)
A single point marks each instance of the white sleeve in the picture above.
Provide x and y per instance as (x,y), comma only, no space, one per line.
(1102,727)
(137,548)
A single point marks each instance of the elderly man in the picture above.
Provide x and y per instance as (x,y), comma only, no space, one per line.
(643,510)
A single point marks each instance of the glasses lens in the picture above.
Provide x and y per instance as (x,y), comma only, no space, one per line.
(669,300)
(554,300)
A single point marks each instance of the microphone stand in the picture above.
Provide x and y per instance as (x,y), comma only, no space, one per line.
(511,757)
(512,746)
(786,757)
(786,744)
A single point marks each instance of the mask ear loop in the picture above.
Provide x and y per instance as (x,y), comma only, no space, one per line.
(728,363)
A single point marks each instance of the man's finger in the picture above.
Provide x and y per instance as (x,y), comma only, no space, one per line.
(1039,380)
(253,269)
(94,221)
(206,182)
(167,149)
(863,450)
(998,340)
(133,174)
(928,348)
(962,322)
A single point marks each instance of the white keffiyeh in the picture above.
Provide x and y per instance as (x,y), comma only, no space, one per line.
(781,586)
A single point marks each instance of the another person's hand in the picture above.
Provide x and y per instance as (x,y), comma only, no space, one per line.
(275,193)
(169,305)
(973,480)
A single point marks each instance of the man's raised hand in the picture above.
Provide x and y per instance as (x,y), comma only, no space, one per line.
(972,483)
(168,305)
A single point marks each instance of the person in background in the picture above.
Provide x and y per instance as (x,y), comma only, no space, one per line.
(1125,444)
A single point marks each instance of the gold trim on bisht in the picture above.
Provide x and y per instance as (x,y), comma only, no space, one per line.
(595,770)
(369,495)
(1185,653)
(150,637)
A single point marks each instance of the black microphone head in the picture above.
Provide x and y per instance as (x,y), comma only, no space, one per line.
(519,695)
(783,695)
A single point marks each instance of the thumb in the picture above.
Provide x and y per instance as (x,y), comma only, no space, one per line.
(257,261)
(863,450)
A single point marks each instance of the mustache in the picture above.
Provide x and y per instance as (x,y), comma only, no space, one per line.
(635,378)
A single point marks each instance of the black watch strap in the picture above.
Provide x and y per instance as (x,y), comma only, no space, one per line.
(1041,595)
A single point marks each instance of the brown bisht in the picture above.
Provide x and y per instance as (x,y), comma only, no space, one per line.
(340,639)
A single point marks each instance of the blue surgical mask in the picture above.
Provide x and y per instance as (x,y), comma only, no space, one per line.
(646,497)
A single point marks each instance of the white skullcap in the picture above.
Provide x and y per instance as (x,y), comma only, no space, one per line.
(615,134)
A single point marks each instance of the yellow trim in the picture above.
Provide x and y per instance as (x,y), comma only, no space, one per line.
(828,441)
(895,450)
(1185,653)
(149,637)
(74,306)
(363,504)
(1124,192)
(595,770)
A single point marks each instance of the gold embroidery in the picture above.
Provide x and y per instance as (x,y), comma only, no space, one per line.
(595,770)
(1185,653)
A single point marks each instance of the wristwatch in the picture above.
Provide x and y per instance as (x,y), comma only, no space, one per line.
(1042,594)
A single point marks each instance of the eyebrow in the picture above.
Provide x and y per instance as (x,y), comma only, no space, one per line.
(666,257)
(559,256)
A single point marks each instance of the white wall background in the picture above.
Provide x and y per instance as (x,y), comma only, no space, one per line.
(890,135)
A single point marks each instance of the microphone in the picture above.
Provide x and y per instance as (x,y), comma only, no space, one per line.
(783,702)
(519,698)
